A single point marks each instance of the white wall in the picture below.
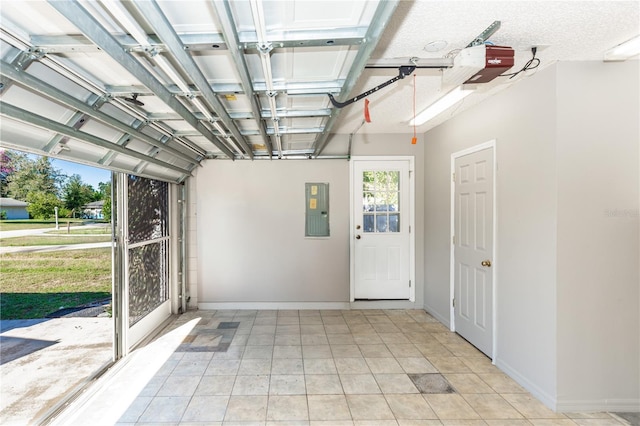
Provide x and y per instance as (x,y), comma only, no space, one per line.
(598,279)
(522,121)
(246,228)
(567,230)
(250,225)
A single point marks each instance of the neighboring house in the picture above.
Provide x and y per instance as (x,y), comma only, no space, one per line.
(15,209)
(93,210)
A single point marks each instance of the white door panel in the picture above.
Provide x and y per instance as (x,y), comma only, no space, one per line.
(143,251)
(473,248)
(381,229)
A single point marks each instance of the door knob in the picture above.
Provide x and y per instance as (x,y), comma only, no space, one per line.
(486,263)
(358,237)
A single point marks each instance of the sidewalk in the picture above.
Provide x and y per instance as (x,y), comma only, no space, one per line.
(27,232)
(24,232)
(41,249)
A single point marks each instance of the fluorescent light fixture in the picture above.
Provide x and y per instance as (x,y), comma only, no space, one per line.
(171,73)
(624,51)
(441,105)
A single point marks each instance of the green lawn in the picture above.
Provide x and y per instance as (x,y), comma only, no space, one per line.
(54,240)
(33,285)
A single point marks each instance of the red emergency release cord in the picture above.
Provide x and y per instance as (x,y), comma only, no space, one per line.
(414,140)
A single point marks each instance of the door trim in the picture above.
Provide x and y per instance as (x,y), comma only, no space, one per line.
(412,224)
(454,156)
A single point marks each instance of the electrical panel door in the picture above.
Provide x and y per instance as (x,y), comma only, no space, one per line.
(317,210)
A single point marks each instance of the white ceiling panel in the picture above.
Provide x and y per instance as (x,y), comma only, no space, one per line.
(17,134)
(217,66)
(191,16)
(83,151)
(159,71)
(102,131)
(58,81)
(34,17)
(303,14)
(315,63)
(31,102)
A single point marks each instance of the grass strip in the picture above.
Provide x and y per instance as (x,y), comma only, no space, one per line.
(33,285)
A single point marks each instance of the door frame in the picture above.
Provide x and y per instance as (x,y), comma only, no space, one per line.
(412,225)
(494,301)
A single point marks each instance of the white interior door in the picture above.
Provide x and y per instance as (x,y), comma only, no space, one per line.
(473,248)
(382,208)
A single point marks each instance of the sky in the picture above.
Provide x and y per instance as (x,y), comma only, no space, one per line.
(90,175)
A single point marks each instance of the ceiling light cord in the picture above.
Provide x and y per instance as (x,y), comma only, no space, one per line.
(531,64)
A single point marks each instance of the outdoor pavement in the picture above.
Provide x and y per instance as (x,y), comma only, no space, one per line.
(44,359)
(41,249)
(27,232)
(38,249)
(24,232)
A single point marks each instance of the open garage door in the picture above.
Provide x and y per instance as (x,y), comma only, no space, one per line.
(143,289)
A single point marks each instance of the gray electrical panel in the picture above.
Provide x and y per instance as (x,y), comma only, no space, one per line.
(317,210)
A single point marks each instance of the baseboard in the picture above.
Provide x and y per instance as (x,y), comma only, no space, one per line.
(361,304)
(273,305)
(436,315)
(538,393)
(599,405)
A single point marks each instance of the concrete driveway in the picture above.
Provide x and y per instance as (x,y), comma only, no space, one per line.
(45,359)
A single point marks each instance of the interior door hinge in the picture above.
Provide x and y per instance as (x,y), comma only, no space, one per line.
(453,239)
(409,228)
(454,302)
(409,283)
(453,176)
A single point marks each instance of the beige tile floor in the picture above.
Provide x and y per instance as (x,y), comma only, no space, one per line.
(324,368)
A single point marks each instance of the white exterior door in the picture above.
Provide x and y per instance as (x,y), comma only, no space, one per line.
(382,209)
(142,259)
(473,248)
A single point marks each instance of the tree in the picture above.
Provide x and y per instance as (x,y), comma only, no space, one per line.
(42,204)
(76,194)
(104,189)
(8,161)
(33,175)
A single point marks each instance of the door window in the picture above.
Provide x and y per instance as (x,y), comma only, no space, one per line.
(381,200)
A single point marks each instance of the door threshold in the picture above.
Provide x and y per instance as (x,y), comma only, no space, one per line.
(381,300)
(384,304)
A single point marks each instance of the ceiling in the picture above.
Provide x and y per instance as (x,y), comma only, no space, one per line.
(155,88)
